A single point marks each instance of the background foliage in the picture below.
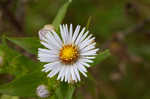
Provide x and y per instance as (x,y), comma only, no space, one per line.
(122,26)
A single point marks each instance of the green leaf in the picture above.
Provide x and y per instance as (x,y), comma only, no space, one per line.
(101,56)
(88,22)
(15,63)
(30,44)
(65,91)
(60,15)
(24,86)
(9,97)
(27,73)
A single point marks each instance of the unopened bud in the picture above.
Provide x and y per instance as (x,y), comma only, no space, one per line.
(46,29)
(42,34)
(42,91)
(49,27)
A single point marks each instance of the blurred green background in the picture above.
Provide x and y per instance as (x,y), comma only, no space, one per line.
(123,26)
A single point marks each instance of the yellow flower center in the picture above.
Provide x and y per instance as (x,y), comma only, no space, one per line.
(69,54)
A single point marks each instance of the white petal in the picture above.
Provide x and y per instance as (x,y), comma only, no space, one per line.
(70,33)
(86,42)
(86,60)
(88,57)
(47,51)
(54,71)
(48,38)
(83,37)
(76,33)
(42,34)
(77,73)
(72,73)
(62,34)
(82,69)
(80,36)
(45,59)
(69,77)
(57,38)
(85,64)
(47,55)
(89,53)
(61,72)
(91,46)
(52,41)
(67,34)
(50,66)
(66,73)
(46,45)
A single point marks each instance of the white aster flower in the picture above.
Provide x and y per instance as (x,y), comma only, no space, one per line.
(67,55)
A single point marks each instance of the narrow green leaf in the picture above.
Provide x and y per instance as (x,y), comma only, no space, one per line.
(70,92)
(65,91)
(101,56)
(30,44)
(60,15)
(88,22)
